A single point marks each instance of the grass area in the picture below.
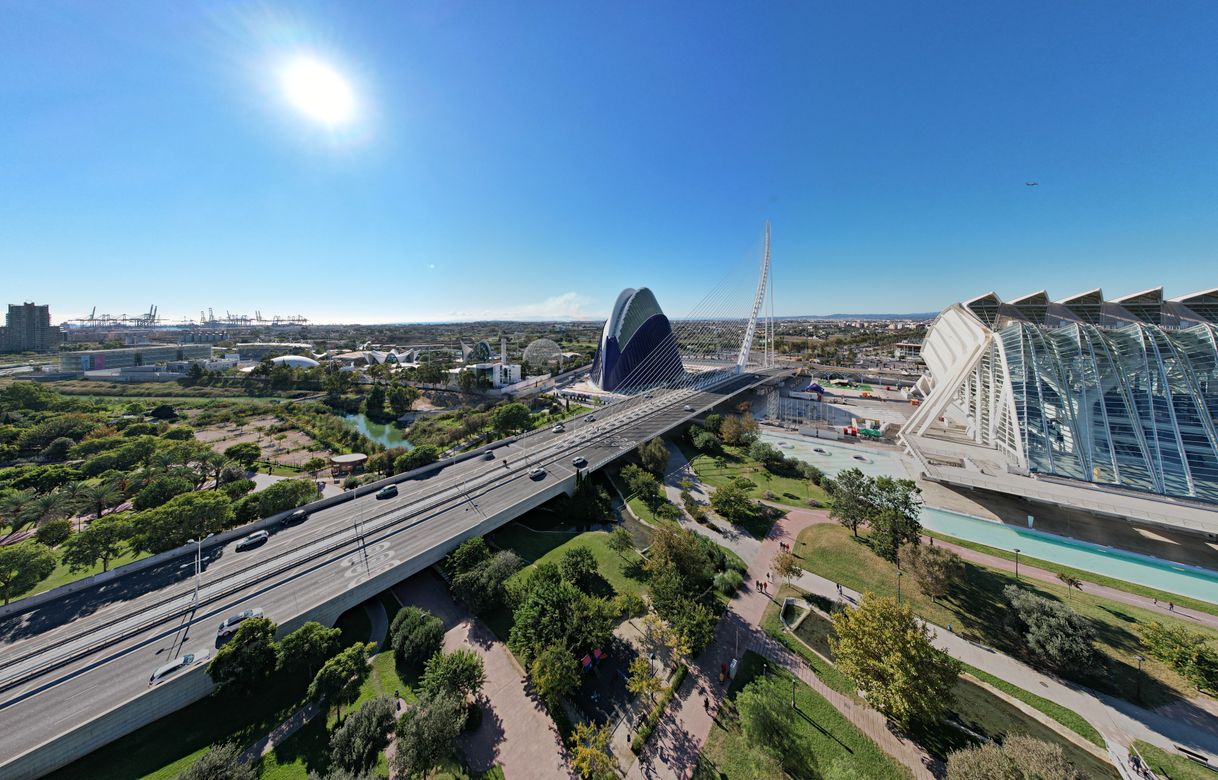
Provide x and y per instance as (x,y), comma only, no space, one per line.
(1086,576)
(976,607)
(826,671)
(1067,717)
(825,739)
(62,575)
(1172,767)
(719,470)
(165,747)
(623,573)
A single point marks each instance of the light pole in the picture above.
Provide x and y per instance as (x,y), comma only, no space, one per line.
(198,563)
(1016,564)
(793,694)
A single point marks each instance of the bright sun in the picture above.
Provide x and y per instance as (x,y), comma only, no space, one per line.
(317,91)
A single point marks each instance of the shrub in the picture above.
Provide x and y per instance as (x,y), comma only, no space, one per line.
(53,533)
(629,605)
(728,582)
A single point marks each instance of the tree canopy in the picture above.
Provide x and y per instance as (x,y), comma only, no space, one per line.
(22,566)
(247,659)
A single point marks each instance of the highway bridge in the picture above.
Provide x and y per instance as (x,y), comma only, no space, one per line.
(74,672)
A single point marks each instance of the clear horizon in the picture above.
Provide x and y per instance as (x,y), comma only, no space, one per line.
(390,164)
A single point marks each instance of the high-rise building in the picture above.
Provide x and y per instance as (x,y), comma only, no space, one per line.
(28,329)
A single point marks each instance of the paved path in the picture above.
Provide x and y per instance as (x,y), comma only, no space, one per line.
(516,731)
(1116,594)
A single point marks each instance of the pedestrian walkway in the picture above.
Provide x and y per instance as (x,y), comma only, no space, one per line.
(277,735)
(1108,592)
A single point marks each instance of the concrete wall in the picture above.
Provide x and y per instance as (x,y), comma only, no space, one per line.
(171,696)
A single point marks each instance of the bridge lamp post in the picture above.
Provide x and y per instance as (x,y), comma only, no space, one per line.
(198,562)
(1017,564)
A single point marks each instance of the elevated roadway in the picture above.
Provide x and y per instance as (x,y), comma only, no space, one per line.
(74,673)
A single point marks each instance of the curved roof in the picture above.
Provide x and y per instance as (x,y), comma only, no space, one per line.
(636,338)
(295,361)
(351,457)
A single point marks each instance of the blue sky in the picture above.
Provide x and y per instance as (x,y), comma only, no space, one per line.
(532,159)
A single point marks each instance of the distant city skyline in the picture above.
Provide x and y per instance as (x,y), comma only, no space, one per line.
(384,163)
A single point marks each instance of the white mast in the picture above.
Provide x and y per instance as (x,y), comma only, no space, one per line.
(758,300)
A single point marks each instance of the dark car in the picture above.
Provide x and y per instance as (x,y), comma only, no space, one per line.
(579,461)
(294,517)
(389,491)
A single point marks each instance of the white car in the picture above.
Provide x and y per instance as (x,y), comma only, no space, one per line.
(558,428)
(178,664)
(537,473)
(253,540)
(687,408)
(233,622)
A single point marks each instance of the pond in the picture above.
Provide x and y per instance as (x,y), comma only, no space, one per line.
(386,434)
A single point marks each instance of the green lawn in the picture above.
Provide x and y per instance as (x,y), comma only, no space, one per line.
(62,575)
(1172,767)
(976,608)
(1086,576)
(789,491)
(826,738)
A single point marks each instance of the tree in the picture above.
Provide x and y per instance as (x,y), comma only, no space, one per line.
(590,752)
(52,533)
(936,569)
(417,458)
(578,567)
(1186,651)
(482,587)
(188,516)
(426,734)
(100,496)
(163,412)
(401,398)
(704,440)
(416,635)
(102,541)
(244,453)
(22,566)
(889,655)
(557,612)
(683,552)
(653,454)
(641,483)
(854,501)
(732,503)
(57,450)
(314,465)
(1052,632)
(469,554)
(286,494)
(765,716)
(738,431)
(695,623)
(898,506)
(374,404)
(511,418)
(1019,757)
(221,762)
(554,673)
(250,657)
(308,647)
(355,744)
(1071,582)
(786,566)
(620,541)
(160,490)
(339,679)
(642,679)
(460,672)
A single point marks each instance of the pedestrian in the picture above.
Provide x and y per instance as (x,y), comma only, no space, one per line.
(1171,607)
(706,703)
(1156,602)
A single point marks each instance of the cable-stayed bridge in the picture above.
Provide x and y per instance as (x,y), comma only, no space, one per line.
(75,668)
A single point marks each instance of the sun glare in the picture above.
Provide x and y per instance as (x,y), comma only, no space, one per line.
(318,91)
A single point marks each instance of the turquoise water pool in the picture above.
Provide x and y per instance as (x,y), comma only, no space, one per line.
(1191,581)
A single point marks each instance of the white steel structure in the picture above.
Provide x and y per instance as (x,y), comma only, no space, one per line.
(1120,392)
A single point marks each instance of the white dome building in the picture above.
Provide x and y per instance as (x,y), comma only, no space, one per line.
(295,361)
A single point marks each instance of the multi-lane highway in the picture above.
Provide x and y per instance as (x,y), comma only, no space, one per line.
(65,664)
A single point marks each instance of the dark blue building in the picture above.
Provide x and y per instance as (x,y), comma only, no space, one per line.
(637,347)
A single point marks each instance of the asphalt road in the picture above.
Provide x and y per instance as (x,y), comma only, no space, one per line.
(66,663)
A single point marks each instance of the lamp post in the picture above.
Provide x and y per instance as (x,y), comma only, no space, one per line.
(1016,564)
(1140,660)
(198,562)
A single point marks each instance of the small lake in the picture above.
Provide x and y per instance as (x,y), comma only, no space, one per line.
(386,434)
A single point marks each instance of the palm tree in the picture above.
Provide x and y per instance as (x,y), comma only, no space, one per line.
(99,496)
(1070,581)
(15,507)
(47,506)
(72,493)
(212,464)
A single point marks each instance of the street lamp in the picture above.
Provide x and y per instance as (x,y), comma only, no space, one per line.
(1140,660)
(198,562)
(1016,564)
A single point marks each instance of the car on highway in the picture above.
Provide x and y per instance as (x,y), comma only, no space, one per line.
(558,428)
(389,491)
(537,472)
(579,461)
(178,664)
(294,517)
(233,622)
(591,418)
(253,540)
(687,408)
(488,455)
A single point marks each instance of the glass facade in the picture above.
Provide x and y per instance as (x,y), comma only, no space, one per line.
(1133,407)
